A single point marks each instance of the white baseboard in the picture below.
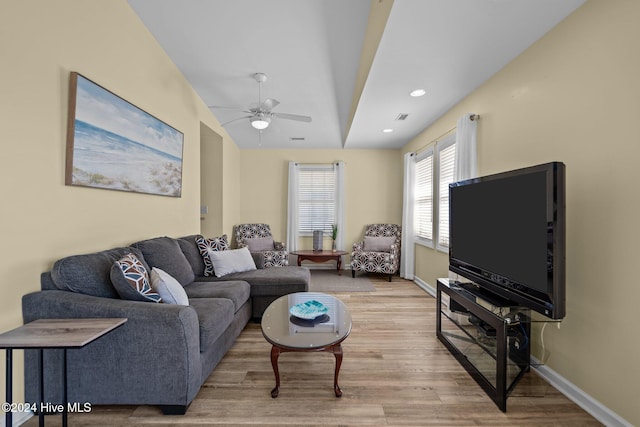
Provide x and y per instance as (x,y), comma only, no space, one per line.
(425,286)
(19,418)
(600,412)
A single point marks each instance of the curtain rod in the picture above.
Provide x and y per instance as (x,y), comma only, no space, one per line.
(434,140)
(472,117)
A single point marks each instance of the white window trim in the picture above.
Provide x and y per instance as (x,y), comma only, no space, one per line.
(324,167)
(293,233)
(422,241)
(440,146)
(434,150)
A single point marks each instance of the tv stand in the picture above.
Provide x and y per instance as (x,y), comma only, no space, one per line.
(487,334)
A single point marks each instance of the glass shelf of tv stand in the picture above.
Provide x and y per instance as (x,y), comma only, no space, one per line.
(491,341)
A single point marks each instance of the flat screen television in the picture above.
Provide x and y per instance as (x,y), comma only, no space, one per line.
(507,235)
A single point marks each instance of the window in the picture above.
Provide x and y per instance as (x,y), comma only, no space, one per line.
(446,160)
(434,171)
(317,185)
(423,207)
(315,201)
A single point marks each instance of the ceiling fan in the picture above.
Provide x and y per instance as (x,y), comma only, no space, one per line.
(260,116)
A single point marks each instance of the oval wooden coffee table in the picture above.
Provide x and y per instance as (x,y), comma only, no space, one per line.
(286,333)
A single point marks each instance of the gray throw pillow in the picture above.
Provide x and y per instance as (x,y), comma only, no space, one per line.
(378,244)
(89,273)
(165,253)
(259,244)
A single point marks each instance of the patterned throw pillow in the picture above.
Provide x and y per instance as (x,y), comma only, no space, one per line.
(205,245)
(131,280)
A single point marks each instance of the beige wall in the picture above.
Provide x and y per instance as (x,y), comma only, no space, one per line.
(211,181)
(41,218)
(573,97)
(373,183)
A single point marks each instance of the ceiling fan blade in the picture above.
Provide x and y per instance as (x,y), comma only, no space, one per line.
(269,104)
(292,117)
(220,107)
(235,120)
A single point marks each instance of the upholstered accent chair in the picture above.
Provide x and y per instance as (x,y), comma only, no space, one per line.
(259,240)
(379,251)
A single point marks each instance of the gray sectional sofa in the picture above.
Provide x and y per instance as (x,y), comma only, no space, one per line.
(164,352)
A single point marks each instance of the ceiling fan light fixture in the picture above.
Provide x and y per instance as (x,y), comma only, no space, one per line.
(260,123)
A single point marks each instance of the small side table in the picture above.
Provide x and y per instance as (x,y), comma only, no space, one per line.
(52,334)
(320,256)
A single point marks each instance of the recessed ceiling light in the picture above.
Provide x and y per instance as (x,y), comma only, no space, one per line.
(417,92)
(387,130)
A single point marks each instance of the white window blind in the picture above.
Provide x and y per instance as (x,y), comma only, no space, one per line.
(423,217)
(317,185)
(446,162)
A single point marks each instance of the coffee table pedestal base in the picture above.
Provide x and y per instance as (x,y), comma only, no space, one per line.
(336,349)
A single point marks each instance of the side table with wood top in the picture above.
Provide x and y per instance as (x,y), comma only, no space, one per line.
(320,256)
(51,334)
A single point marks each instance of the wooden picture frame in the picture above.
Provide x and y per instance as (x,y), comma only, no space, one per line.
(112,144)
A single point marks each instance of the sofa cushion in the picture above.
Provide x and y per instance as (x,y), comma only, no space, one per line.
(131,280)
(231,261)
(206,246)
(259,244)
(90,274)
(275,281)
(165,253)
(192,253)
(378,243)
(169,289)
(214,316)
(236,291)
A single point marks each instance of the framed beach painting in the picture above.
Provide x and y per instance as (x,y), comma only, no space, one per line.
(113,144)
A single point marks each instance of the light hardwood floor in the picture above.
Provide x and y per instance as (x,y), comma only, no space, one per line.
(395,372)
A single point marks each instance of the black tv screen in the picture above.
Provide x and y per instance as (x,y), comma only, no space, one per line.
(507,235)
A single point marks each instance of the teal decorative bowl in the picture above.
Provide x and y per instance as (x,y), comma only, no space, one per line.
(308,310)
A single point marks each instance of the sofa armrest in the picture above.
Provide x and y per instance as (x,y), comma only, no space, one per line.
(358,246)
(123,365)
(279,246)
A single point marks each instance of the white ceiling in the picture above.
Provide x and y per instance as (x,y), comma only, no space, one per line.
(311,52)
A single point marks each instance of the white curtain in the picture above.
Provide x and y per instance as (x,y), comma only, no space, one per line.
(466,159)
(340,205)
(292,208)
(407,259)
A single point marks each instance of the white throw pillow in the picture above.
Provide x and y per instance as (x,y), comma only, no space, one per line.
(232,261)
(168,288)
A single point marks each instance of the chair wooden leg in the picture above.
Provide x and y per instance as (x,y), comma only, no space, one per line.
(353,274)
(391,275)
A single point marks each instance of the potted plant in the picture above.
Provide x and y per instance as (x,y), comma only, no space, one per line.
(334,236)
